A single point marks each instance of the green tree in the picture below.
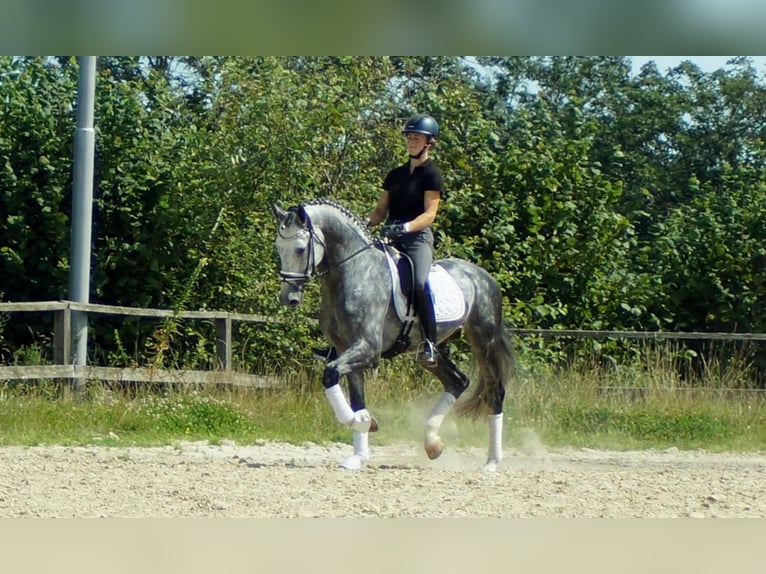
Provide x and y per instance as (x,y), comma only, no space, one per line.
(36,145)
(598,198)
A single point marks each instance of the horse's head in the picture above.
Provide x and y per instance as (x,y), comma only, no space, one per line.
(300,248)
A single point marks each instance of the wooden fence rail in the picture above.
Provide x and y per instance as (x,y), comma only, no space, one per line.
(62,347)
(641,335)
(62,344)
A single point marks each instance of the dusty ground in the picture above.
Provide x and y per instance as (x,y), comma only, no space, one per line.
(281,480)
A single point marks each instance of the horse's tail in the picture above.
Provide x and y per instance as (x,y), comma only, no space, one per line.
(495,363)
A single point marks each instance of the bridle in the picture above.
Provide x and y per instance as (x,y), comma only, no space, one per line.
(297,280)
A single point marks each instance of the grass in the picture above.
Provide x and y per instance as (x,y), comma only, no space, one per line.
(587,406)
(641,408)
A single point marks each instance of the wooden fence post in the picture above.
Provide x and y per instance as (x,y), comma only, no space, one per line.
(62,336)
(223,342)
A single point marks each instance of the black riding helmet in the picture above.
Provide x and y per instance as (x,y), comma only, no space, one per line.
(422,124)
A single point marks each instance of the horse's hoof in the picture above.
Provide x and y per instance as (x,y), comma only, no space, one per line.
(353,462)
(373,424)
(434,448)
(490,466)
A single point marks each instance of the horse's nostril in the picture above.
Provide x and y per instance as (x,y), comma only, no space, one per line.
(294,302)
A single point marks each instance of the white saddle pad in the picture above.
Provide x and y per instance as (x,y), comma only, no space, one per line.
(449,304)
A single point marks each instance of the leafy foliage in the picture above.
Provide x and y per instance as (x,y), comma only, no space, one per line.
(598,199)
(36,145)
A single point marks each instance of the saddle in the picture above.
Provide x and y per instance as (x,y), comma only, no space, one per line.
(449,304)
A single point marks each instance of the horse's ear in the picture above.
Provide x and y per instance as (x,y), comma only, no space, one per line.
(278,212)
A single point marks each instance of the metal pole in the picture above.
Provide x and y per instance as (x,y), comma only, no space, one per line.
(82,205)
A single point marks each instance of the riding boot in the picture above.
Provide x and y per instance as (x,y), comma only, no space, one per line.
(428,354)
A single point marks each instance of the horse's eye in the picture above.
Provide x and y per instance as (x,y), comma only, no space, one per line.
(300,250)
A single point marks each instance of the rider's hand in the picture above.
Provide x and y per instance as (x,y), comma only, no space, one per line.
(393,230)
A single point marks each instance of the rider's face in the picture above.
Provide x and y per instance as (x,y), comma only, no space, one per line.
(416,142)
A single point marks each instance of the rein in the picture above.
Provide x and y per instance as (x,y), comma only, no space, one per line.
(342,261)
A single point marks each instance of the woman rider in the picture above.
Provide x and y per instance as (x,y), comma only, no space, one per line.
(409,203)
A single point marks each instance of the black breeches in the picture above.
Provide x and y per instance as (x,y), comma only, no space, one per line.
(420,248)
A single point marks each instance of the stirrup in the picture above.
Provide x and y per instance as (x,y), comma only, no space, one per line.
(426,353)
(324,353)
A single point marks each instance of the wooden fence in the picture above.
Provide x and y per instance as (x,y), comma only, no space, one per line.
(641,335)
(62,348)
(657,336)
(224,374)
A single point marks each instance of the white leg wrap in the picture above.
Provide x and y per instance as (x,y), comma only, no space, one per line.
(495,453)
(339,405)
(441,407)
(361,452)
(362,445)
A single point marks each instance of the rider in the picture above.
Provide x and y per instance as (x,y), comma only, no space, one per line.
(409,202)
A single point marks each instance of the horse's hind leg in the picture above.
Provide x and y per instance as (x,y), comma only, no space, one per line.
(495,395)
(455,382)
(495,450)
(495,361)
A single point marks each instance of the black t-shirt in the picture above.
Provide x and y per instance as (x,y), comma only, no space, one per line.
(406,192)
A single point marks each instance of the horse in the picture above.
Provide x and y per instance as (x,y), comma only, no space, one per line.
(359,291)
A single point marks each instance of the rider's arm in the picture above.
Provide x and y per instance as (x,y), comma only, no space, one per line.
(431,206)
(381,210)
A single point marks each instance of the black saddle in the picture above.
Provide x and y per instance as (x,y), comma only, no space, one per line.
(406,273)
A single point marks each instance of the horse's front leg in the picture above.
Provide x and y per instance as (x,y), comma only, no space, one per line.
(352,363)
(361,454)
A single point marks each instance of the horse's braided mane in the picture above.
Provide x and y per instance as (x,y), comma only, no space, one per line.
(358,221)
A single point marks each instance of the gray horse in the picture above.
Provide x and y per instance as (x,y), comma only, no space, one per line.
(360,289)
